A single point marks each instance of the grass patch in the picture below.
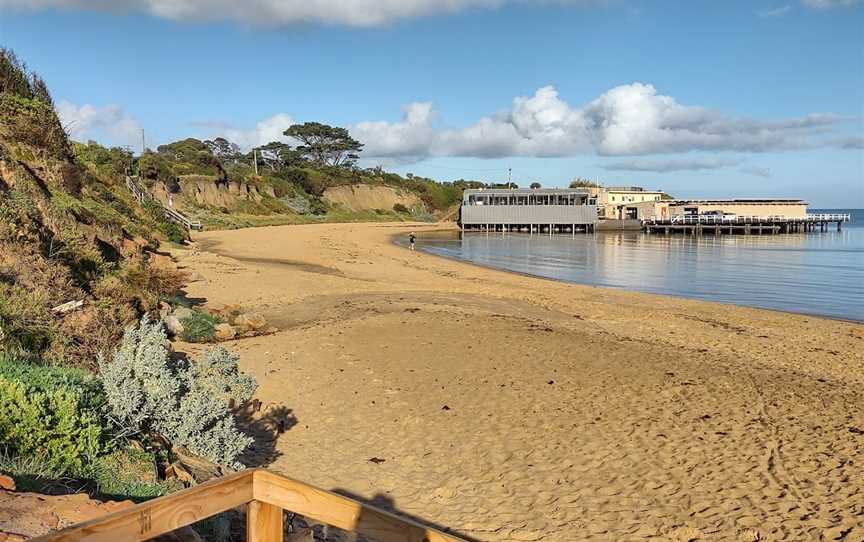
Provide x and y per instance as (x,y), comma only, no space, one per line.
(126,473)
(130,473)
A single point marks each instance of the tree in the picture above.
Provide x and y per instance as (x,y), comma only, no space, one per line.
(278,156)
(579,182)
(535,185)
(327,145)
(222,148)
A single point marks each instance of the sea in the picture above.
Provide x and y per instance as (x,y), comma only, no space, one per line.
(818,273)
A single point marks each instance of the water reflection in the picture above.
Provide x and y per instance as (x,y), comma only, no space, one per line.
(818,273)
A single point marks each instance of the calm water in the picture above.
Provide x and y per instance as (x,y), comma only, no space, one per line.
(814,273)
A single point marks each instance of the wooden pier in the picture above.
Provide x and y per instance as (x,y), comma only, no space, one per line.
(743,225)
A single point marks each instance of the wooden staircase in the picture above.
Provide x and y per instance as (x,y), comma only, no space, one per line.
(265,495)
(143,196)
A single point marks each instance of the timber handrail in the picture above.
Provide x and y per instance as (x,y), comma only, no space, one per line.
(170,213)
(266,495)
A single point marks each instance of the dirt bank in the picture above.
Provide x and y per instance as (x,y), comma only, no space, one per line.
(513,408)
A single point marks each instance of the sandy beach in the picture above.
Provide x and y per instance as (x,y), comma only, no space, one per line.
(511,408)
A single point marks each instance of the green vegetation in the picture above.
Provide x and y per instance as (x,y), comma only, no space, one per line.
(583,183)
(325,145)
(51,412)
(149,392)
(69,231)
(199,327)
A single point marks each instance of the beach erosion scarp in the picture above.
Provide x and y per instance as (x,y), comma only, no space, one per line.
(506,407)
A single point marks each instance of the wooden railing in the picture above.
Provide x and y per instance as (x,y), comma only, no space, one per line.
(171,214)
(265,495)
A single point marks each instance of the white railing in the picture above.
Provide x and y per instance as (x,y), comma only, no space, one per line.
(738,219)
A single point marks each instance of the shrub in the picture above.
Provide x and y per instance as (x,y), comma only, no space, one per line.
(25,322)
(147,391)
(126,473)
(51,412)
(173,232)
(399,208)
(129,473)
(199,327)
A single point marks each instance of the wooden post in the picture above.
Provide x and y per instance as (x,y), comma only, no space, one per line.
(263,522)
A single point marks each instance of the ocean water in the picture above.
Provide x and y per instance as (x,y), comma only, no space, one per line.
(812,273)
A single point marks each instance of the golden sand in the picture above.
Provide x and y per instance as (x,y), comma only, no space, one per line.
(510,408)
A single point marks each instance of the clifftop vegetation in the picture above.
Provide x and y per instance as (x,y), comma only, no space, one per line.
(69,231)
(78,264)
(217,182)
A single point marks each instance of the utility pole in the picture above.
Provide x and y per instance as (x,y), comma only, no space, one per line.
(128,148)
(509,177)
(255,161)
(143,146)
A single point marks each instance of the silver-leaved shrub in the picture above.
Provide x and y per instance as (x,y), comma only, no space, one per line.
(187,403)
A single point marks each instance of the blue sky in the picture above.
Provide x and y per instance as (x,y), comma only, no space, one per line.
(699,98)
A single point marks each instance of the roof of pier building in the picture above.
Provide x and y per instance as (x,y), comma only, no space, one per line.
(736,202)
(526,191)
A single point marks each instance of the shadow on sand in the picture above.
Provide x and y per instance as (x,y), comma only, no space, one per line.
(266,428)
(388,504)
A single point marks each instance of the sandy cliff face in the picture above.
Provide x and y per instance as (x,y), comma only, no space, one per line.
(364,197)
(204,190)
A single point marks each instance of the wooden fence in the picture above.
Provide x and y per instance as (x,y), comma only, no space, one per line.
(265,495)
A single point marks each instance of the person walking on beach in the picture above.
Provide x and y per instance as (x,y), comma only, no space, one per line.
(411,239)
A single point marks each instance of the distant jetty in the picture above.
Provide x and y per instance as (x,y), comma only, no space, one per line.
(586,210)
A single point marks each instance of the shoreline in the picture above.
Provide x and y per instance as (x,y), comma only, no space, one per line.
(508,408)
(394,240)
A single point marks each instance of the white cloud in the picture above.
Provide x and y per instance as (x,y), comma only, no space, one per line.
(110,123)
(409,138)
(626,120)
(269,129)
(280,12)
(666,166)
(829,4)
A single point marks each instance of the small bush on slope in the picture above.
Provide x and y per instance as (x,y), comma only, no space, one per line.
(147,391)
(51,412)
(199,327)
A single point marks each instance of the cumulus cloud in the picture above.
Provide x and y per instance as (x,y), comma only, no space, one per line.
(269,129)
(107,123)
(279,12)
(666,166)
(626,120)
(408,138)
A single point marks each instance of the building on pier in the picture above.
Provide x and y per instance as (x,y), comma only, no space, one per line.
(619,202)
(545,210)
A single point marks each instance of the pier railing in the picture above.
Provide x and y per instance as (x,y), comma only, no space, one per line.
(265,495)
(739,219)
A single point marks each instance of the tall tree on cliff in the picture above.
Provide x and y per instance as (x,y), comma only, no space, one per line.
(327,145)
